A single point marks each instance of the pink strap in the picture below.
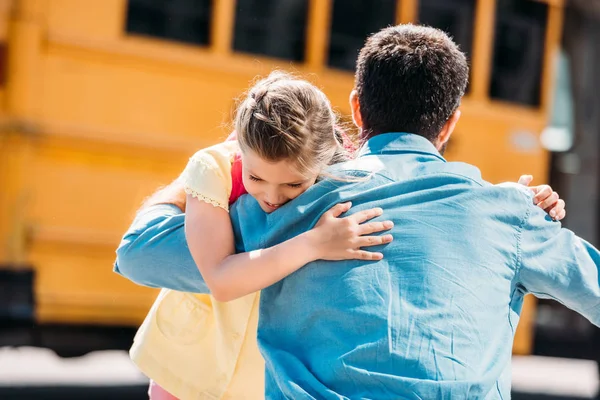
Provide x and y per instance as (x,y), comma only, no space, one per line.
(237,183)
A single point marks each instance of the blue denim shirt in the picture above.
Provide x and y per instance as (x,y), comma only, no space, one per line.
(434,319)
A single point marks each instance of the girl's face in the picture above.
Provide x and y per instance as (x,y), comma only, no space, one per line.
(273,184)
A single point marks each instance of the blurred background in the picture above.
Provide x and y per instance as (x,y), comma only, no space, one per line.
(102,101)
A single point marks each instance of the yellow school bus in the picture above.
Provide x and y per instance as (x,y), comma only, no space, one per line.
(102,101)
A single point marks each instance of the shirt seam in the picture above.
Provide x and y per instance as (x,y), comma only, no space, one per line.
(499,389)
(404,150)
(518,261)
(518,264)
(519,244)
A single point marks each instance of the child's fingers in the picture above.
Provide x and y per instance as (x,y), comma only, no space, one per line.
(339,209)
(374,227)
(365,255)
(542,192)
(557,210)
(561,215)
(366,215)
(525,180)
(548,201)
(367,241)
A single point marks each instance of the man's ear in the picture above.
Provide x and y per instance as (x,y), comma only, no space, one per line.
(355,108)
(447,130)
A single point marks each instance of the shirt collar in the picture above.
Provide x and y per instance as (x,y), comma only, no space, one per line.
(398,142)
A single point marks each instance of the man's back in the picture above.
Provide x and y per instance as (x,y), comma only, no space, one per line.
(434,319)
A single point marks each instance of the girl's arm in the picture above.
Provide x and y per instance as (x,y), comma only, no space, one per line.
(229,276)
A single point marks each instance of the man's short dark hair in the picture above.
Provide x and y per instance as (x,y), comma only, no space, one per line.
(409,78)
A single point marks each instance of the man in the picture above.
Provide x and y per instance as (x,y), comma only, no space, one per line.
(436,317)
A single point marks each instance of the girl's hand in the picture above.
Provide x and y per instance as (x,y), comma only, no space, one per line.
(337,238)
(545,198)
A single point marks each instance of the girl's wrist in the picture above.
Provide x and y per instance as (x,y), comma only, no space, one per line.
(312,245)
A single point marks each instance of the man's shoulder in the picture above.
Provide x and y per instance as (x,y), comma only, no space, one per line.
(512,194)
(513,187)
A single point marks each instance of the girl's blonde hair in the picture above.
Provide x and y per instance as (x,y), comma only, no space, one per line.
(287,118)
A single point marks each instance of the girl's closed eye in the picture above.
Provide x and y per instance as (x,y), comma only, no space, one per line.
(254,178)
(294,185)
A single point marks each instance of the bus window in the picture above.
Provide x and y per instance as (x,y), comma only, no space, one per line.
(180,20)
(455,17)
(519,51)
(275,28)
(352,21)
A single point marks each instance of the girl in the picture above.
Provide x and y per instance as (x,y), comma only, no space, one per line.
(285,132)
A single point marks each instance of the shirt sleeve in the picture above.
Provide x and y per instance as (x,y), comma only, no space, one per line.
(557,264)
(154,252)
(207,176)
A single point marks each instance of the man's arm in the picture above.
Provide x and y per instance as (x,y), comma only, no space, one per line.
(154,251)
(557,264)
